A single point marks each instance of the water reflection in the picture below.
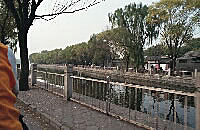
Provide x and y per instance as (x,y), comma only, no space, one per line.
(166,105)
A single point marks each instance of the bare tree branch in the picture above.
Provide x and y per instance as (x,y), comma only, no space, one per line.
(39,2)
(63,11)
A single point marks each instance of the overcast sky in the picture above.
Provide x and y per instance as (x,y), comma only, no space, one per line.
(68,29)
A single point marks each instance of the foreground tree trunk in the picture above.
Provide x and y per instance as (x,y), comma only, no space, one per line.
(23,82)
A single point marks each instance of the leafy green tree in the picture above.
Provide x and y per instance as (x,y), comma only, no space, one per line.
(133,19)
(119,41)
(67,54)
(157,50)
(100,51)
(192,45)
(8,34)
(176,21)
(82,52)
(37,58)
(24,13)
(76,54)
(113,38)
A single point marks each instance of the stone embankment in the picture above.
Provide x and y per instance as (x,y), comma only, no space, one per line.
(186,84)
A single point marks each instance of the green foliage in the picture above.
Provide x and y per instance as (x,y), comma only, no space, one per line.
(8,34)
(162,50)
(157,50)
(119,41)
(99,49)
(192,45)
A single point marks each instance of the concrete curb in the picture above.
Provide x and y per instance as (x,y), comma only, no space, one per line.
(52,122)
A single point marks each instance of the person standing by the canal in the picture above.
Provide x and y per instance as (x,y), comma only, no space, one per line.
(9,115)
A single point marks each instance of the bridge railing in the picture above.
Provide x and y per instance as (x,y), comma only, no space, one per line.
(148,107)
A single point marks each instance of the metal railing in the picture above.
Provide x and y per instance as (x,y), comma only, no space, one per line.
(52,82)
(145,106)
(148,107)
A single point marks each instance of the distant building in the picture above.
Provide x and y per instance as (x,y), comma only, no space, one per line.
(157,62)
(18,63)
(189,62)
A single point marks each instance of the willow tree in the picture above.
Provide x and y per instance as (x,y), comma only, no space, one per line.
(133,19)
(24,13)
(176,21)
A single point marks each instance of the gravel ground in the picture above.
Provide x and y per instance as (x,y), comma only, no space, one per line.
(31,119)
(72,115)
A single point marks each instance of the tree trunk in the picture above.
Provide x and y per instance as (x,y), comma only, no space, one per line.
(3,35)
(127,63)
(3,38)
(174,64)
(23,82)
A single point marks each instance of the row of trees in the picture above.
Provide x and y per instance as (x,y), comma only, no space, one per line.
(99,52)
(95,51)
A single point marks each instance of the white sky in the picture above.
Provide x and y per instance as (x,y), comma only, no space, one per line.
(68,29)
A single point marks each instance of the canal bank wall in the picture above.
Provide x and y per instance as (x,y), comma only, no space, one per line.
(185,84)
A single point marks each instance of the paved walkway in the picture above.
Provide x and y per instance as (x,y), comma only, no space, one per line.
(70,114)
(31,119)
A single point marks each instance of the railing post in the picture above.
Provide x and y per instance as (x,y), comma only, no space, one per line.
(46,80)
(175,111)
(33,74)
(108,95)
(68,81)
(18,71)
(197,102)
(169,72)
(195,73)
(185,112)
(135,103)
